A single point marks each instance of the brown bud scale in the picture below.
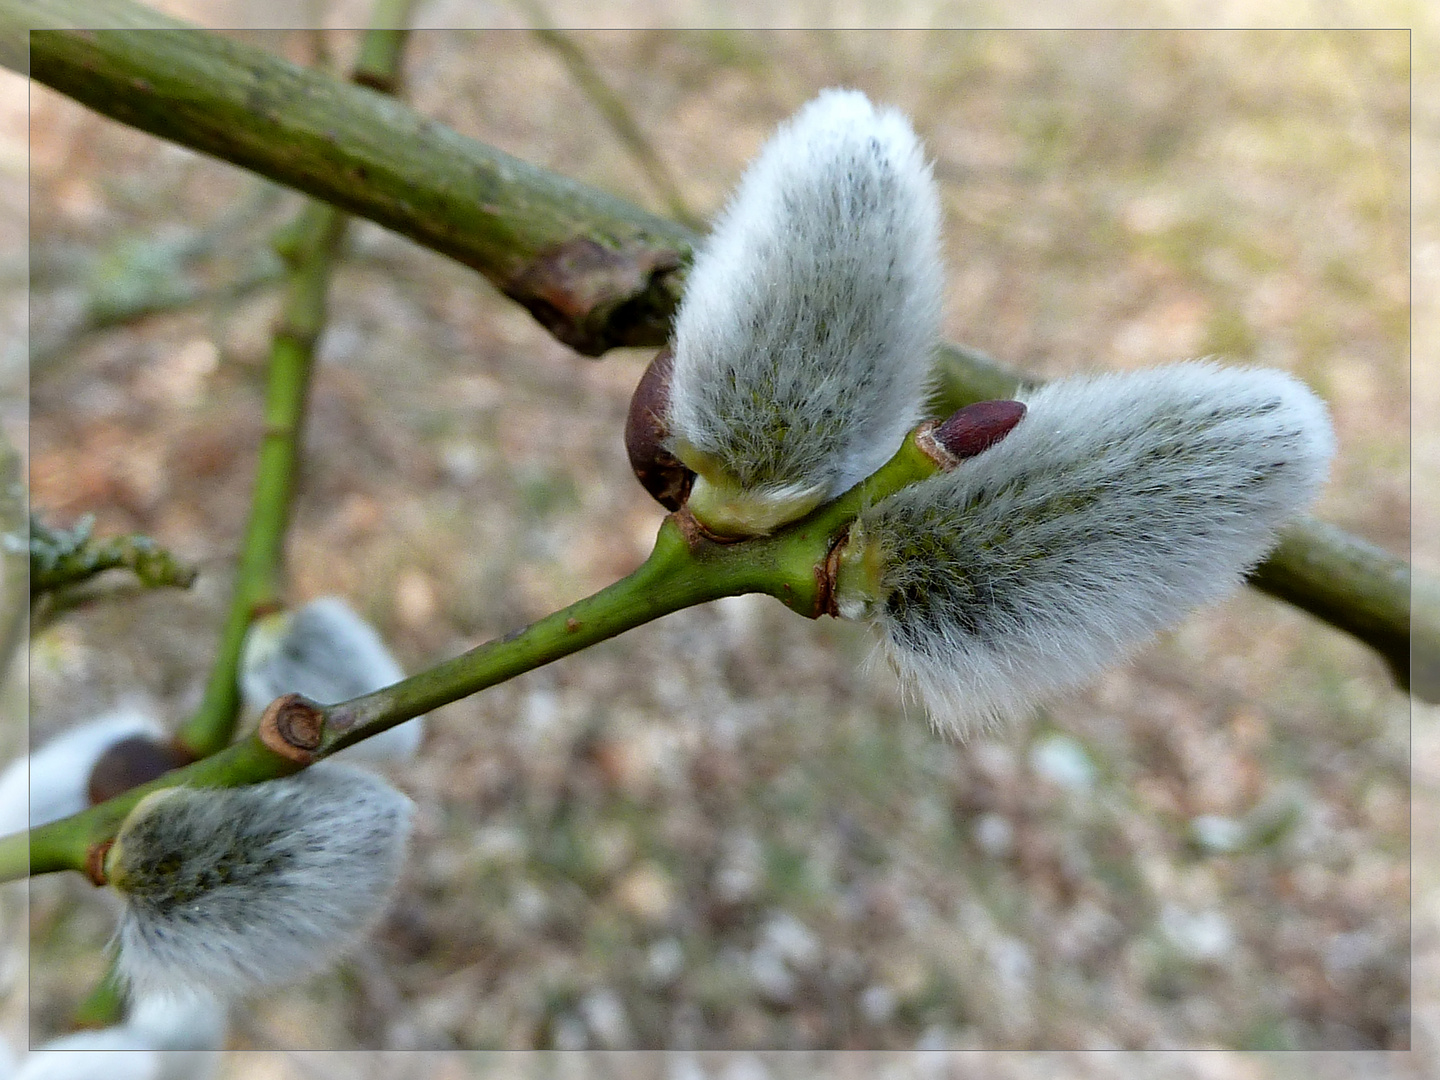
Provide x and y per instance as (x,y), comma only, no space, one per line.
(95,862)
(130,763)
(659,471)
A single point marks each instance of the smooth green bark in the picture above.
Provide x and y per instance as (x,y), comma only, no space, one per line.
(593,269)
(1359,588)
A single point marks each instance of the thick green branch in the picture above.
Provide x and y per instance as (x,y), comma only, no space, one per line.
(595,270)
(1363,590)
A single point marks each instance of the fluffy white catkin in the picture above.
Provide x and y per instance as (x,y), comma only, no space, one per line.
(231,890)
(803,341)
(330,654)
(1117,504)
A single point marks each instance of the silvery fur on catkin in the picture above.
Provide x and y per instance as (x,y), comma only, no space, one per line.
(1117,504)
(230,890)
(804,339)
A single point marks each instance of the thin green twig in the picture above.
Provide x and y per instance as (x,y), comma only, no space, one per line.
(684,569)
(311,247)
(64,558)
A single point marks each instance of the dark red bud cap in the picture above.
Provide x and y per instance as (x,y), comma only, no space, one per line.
(130,763)
(978,427)
(659,471)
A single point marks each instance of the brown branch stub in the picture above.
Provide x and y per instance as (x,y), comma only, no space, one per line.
(593,297)
(292,726)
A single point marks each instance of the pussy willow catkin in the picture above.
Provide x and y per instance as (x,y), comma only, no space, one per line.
(1118,503)
(230,890)
(803,341)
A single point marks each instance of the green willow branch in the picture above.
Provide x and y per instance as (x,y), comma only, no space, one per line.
(595,270)
(311,247)
(684,569)
(1363,590)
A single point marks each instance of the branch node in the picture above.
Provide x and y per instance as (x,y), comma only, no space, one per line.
(292,726)
(933,448)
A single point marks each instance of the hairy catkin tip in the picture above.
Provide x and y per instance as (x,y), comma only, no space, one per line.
(1118,503)
(803,341)
(231,890)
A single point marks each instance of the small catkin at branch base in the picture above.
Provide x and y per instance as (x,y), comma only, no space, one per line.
(231,890)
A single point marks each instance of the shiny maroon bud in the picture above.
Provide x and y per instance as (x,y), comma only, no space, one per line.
(646,430)
(976,428)
(130,763)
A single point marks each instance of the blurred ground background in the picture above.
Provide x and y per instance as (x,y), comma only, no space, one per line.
(724,830)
